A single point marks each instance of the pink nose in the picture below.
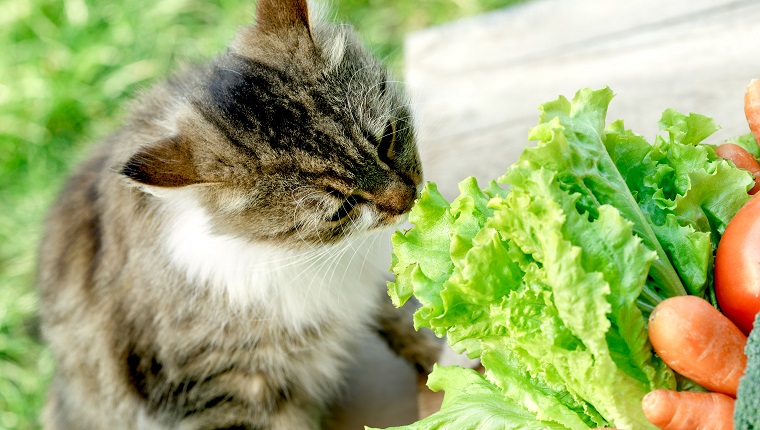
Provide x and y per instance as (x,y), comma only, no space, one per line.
(396,199)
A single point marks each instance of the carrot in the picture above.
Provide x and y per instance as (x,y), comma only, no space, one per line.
(742,159)
(752,108)
(699,342)
(687,410)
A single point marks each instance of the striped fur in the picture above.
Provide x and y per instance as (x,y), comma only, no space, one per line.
(216,261)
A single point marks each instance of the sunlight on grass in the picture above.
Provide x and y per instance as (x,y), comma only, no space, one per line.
(68,67)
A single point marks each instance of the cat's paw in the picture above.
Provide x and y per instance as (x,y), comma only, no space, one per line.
(448,357)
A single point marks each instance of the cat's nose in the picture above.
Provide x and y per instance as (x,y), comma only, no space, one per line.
(396,199)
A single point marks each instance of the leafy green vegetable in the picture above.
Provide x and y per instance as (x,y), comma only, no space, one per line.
(550,280)
(472,403)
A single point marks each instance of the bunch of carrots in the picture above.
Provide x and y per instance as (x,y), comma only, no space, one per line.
(694,338)
(700,343)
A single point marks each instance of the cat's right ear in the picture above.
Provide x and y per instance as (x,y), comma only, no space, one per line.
(167,163)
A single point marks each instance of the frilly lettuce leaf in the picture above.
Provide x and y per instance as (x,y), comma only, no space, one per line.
(549,276)
(473,403)
(684,189)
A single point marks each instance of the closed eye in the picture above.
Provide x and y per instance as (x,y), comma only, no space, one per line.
(345,209)
(386,146)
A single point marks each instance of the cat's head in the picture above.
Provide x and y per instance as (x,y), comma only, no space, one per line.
(295,135)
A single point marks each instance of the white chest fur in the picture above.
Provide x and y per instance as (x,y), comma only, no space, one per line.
(341,283)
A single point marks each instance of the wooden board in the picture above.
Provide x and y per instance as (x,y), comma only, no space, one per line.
(476,84)
(381,392)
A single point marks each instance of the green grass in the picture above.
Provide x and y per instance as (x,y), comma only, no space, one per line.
(67,67)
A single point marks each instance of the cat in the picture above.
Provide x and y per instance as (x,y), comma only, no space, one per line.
(210,266)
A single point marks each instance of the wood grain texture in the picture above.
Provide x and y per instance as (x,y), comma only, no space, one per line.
(476,84)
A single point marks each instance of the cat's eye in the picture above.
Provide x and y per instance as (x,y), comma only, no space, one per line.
(345,209)
(386,145)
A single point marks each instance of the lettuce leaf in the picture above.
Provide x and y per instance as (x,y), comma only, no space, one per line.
(548,276)
(472,403)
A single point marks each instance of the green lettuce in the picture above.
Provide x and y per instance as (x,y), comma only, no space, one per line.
(548,275)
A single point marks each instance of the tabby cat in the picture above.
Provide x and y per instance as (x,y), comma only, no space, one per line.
(210,266)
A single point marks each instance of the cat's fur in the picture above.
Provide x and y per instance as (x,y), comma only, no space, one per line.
(211,265)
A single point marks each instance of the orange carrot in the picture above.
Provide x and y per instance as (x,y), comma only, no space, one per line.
(752,107)
(699,342)
(686,410)
(742,159)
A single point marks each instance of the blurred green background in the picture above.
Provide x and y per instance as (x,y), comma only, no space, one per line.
(67,67)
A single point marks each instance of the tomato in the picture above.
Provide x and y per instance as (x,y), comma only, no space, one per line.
(737,267)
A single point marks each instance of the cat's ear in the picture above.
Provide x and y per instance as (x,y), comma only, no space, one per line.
(274,16)
(165,163)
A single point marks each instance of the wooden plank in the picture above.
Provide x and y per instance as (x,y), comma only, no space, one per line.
(476,84)
(381,391)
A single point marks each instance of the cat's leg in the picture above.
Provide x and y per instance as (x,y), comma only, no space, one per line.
(295,416)
(421,348)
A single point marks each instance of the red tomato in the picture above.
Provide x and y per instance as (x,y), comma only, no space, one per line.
(737,267)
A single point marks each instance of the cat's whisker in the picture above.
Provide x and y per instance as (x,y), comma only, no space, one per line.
(327,264)
(355,252)
(334,266)
(299,259)
(344,269)
(391,54)
(325,268)
(379,121)
(231,71)
(353,228)
(375,238)
(351,81)
(296,223)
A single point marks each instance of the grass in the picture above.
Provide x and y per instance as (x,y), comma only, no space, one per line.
(66,69)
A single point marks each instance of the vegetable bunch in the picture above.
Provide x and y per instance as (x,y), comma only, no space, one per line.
(549,275)
(697,341)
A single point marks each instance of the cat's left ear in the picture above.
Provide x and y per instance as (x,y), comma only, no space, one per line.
(275,16)
(166,163)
